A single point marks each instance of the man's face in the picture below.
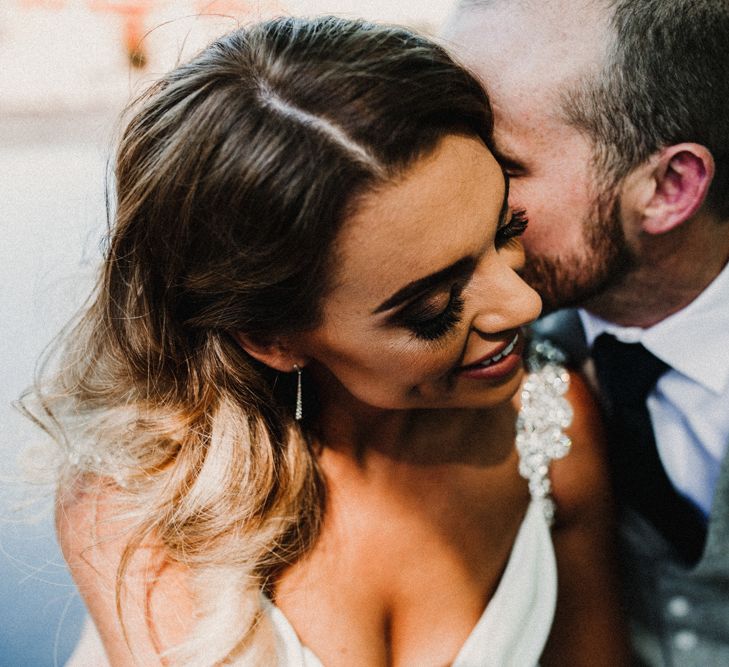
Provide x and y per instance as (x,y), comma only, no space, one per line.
(575,246)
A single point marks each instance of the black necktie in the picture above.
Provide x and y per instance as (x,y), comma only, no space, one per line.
(627,373)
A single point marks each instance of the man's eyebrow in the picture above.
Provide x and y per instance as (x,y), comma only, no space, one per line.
(507,161)
(460,268)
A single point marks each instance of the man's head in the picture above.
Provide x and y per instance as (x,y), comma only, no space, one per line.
(592,98)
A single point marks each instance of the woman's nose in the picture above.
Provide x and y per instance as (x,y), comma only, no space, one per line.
(504,300)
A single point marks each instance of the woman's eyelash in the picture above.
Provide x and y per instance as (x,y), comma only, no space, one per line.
(515,227)
(431,323)
(427,325)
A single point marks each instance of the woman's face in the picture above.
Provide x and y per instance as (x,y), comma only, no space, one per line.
(426,293)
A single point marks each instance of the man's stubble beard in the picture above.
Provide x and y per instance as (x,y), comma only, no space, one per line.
(573,281)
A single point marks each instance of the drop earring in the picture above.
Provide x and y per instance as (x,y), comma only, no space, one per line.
(299,412)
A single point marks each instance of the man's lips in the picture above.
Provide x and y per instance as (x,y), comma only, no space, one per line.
(493,358)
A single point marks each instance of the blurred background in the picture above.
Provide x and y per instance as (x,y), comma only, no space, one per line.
(67,68)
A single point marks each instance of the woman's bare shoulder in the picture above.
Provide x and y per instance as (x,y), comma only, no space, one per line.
(89,515)
(588,625)
(95,525)
(579,480)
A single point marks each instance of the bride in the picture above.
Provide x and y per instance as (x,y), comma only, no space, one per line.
(295,421)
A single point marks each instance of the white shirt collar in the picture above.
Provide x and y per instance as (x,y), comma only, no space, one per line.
(694,341)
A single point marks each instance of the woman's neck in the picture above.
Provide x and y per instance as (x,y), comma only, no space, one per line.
(420,438)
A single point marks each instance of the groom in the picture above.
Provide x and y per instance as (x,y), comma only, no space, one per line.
(612,118)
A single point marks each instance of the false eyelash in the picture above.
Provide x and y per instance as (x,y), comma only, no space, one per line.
(432,328)
(515,227)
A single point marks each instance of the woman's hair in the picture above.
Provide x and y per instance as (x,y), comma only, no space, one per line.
(232,179)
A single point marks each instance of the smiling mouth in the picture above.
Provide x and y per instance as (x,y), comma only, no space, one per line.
(490,361)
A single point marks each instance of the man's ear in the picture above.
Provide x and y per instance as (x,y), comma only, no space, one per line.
(670,187)
(273,353)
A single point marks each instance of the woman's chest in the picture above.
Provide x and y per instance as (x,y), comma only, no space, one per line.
(393,585)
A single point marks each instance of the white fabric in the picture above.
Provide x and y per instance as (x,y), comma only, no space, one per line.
(514,627)
(291,652)
(89,651)
(511,632)
(689,406)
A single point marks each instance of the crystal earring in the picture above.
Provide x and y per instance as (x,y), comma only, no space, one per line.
(299,413)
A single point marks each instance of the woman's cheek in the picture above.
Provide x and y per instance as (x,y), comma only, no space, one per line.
(424,361)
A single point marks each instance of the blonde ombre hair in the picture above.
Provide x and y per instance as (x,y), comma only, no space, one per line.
(232,179)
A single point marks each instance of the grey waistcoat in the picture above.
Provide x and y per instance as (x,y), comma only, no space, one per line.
(679,616)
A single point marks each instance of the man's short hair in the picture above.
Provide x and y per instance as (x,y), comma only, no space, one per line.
(665,80)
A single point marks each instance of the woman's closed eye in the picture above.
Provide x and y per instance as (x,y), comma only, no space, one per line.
(434,317)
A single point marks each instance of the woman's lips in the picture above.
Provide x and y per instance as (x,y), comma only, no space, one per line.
(499,364)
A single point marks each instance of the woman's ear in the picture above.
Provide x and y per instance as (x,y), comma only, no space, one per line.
(273,353)
(669,188)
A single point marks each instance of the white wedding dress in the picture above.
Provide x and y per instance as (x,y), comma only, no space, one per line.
(515,625)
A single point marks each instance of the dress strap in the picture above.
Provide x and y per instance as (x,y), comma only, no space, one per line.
(544,414)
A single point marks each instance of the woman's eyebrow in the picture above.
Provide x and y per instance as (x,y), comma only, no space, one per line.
(456,270)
